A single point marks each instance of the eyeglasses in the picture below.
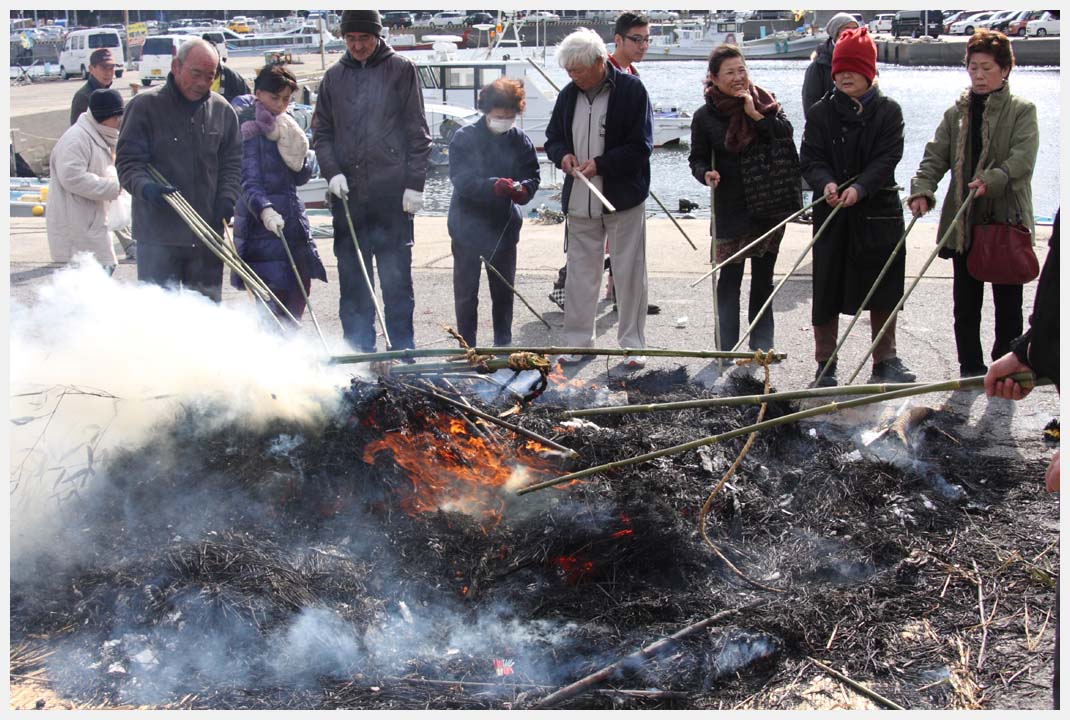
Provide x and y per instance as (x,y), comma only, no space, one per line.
(639,39)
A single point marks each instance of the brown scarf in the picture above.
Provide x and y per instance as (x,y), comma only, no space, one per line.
(741,129)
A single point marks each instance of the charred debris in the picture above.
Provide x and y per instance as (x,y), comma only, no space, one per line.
(384,561)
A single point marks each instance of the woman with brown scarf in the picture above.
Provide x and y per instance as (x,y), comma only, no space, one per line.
(737,113)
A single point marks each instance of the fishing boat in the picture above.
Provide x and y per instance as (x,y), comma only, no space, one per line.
(308,37)
(783,46)
(691,39)
(27,194)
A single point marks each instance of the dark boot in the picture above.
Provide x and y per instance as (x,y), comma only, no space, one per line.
(891,370)
(829,379)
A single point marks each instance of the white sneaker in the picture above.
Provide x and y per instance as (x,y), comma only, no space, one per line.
(635,362)
(570,359)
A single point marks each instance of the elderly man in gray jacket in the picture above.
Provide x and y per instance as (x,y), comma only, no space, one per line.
(190,135)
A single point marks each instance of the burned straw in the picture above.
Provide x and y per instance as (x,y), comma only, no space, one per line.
(735,400)
(304,293)
(798,261)
(899,305)
(1026,379)
(497,421)
(632,660)
(491,268)
(364,269)
(626,352)
(743,250)
(656,199)
(862,306)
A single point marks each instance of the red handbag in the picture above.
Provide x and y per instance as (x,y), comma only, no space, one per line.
(1002,254)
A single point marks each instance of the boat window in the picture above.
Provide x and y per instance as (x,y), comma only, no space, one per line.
(427,78)
(461,77)
(488,75)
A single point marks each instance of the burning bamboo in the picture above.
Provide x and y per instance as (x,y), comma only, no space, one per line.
(783,280)
(862,306)
(899,305)
(736,400)
(639,656)
(491,268)
(1026,379)
(625,352)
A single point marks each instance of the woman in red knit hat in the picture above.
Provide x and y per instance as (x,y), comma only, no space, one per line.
(855,132)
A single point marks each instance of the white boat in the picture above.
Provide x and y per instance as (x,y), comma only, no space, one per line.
(783,46)
(306,37)
(691,39)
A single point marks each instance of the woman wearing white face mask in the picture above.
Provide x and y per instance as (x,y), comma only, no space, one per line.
(494,170)
(84,182)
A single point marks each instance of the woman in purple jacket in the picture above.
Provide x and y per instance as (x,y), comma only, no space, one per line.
(274,163)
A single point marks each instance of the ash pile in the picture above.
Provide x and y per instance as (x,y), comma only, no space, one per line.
(381,559)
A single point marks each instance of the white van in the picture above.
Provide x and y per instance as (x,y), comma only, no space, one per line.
(218,40)
(80,44)
(156,56)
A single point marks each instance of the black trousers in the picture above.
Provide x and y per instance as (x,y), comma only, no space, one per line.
(729,282)
(467,269)
(385,237)
(192,267)
(969,295)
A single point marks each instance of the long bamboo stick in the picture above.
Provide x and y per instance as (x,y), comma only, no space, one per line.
(872,291)
(674,221)
(569,452)
(713,256)
(624,352)
(898,306)
(742,251)
(737,400)
(364,270)
(802,256)
(1024,378)
(491,365)
(491,268)
(594,191)
(632,659)
(304,293)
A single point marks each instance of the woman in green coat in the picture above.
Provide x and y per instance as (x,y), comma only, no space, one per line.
(988,140)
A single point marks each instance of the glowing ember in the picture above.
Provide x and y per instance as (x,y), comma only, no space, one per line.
(572,569)
(451,468)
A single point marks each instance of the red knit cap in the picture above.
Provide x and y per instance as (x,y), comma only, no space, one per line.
(855,51)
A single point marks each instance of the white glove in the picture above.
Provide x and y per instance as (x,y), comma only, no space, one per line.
(338,185)
(272,220)
(412,201)
(292,142)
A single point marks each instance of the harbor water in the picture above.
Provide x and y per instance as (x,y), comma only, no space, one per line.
(924,93)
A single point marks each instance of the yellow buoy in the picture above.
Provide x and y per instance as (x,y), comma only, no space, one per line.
(38,210)
(44,193)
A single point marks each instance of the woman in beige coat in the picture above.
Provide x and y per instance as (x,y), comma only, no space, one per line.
(84,182)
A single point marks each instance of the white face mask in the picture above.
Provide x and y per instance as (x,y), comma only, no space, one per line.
(499,126)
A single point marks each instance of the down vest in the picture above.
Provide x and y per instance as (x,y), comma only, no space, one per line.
(267,181)
(369,124)
(83,181)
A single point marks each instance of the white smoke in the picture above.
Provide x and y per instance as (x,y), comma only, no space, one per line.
(97,364)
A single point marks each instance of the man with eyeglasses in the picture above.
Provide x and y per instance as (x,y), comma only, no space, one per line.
(631,38)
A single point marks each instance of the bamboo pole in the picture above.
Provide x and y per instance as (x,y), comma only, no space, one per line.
(304,293)
(1024,378)
(569,452)
(898,306)
(872,291)
(802,256)
(742,251)
(489,365)
(364,269)
(859,687)
(632,659)
(625,352)
(713,258)
(656,199)
(594,191)
(491,268)
(737,400)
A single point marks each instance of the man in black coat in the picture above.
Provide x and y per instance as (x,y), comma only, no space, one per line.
(101,75)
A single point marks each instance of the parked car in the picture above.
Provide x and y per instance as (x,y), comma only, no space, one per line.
(968,25)
(881,23)
(916,23)
(448,18)
(219,41)
(422,18)
(239,24)
(954,17)
(80,44)
(480,18)
(397,18)
(1017,27)
(662,15)
(156,55)
(544,16)
(999,19)
(1046,24)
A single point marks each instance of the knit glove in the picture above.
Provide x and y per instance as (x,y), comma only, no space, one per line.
(338,185)
(154,192)
(272,220)
(412,201)
(519,194)
(292,142)
(223,210)
(503,187)
(266,122)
